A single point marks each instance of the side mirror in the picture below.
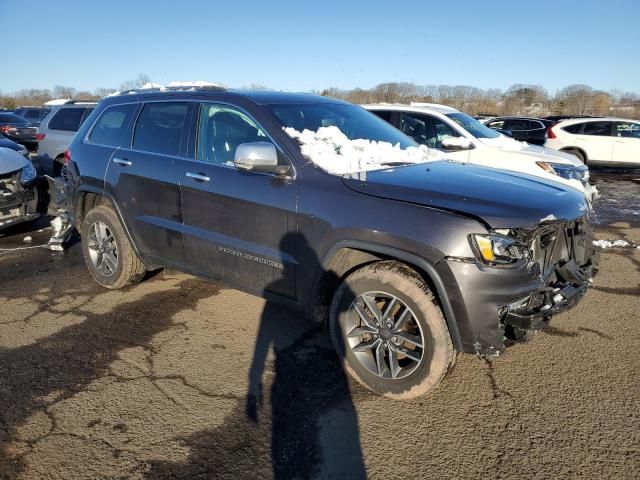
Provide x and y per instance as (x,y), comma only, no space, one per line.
(456,144)
(259,157)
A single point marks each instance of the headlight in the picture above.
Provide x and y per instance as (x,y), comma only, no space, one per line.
(498,249)
(28,174)
(568,172)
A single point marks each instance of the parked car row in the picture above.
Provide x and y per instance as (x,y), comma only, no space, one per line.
(407,255)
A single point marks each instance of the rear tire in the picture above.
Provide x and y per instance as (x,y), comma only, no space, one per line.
(396,312)
(578,154)
(107,251)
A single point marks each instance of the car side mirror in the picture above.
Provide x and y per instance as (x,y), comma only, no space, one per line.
(456,144)
(259,157)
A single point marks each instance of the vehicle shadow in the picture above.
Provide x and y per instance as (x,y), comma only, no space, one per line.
(37,376)
(304,426)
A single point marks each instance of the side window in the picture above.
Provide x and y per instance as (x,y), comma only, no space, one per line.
(599,129)
(575,129)
(221,129)
(67,119)
(32,114)
(517,125)
(383,114)
(112,125)
(426,130)
(628,130)
(496,124)
(159,127)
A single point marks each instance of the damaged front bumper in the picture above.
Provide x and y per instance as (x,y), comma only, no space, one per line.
(494,306)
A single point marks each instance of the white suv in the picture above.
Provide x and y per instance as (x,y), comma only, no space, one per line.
(598,141)
(464,139)
(56,131)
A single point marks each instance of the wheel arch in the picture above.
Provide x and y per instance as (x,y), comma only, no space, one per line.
(348,255)
(577,149)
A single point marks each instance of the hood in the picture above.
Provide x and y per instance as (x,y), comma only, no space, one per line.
(6,143)
(500,198)
(522,148)
(11,161)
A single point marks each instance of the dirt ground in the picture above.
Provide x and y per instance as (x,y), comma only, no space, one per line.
(179,377)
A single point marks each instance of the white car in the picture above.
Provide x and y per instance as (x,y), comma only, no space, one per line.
(598,141)
(56,131)
(464,139)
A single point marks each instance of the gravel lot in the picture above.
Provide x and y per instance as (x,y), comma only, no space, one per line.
(152,382)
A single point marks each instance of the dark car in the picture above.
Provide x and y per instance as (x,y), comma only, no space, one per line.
(18,129)
(33,115)
(525,129)
(406,263)
(6,143)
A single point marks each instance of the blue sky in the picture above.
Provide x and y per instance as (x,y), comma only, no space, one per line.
(311,45)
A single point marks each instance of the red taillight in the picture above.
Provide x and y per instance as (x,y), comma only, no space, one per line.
(6,128)
(550,133)
(40,136)
(67,157)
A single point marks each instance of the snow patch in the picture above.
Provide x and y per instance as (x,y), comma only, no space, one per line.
(610,244)
(333,152)
(505,143)
(197,83)
(548,218)
(149,85)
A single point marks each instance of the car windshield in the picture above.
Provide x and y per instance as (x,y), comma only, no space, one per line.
(355,122)
(473,126)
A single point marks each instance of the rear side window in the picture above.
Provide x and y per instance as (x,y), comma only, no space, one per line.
(112,125)
(68,119)
(628,130)
(159,127)
(599,129)
(575,129)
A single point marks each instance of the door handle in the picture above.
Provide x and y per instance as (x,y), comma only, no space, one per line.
(198,177)
(122,161)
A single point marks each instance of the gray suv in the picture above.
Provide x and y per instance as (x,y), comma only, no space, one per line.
(56,131)
(406,263)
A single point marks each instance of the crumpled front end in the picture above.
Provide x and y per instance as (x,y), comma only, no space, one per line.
(498,304)
(18,203)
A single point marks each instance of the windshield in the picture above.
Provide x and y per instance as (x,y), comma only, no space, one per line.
(473,126)
(355,122)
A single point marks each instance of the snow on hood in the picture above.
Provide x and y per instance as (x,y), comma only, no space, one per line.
(11,161)
(333,152)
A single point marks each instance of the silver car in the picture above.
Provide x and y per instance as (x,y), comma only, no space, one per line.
(56,131)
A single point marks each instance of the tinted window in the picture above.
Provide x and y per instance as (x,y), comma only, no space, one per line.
(577,128)
(11,118)
(425,129)
(520,124)
(31,114)
(601,129)
(354,122)
(159,127)
(473,126)
(221,129)
(383,114)
(68,119)
(112,125)
(628,129)
(496,124)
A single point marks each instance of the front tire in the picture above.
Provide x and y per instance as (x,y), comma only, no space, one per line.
(107,252)
(389,331)
(578,154)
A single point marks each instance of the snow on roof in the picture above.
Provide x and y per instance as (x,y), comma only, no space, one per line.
(197,83)
(333,152)
(58,101)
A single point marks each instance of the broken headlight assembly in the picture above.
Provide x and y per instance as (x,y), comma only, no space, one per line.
(28,174)
(499,250)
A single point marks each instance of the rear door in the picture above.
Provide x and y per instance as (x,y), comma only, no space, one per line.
(144,180)
(626,144)
(238,226)
(596,139)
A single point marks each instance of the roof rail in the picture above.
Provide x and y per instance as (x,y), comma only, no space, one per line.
(215,88)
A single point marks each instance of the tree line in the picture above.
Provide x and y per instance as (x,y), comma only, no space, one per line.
(519,99)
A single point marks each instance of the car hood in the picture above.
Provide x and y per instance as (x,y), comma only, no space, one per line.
(512,146)
(11,161)
(6,143)
(500,198)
